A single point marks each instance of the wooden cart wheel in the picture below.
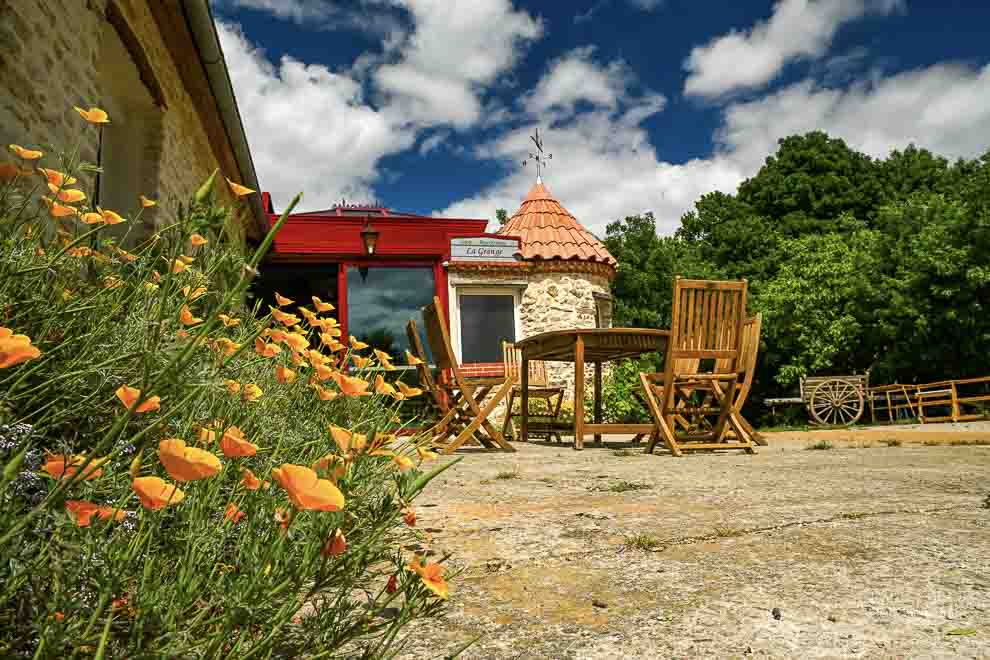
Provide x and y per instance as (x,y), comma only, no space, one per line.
(836,402)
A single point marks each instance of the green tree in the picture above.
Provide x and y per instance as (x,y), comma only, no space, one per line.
(501,217)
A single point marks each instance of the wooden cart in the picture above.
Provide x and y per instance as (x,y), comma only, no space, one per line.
(830,400)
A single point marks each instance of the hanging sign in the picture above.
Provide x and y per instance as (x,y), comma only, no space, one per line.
(484,249)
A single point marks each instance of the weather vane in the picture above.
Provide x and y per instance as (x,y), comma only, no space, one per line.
(540,158)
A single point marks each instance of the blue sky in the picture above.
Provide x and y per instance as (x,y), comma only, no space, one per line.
(426,105)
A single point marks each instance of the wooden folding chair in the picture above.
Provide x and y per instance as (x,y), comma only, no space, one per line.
(539,389)
(466,396)
(746,368)
(446,419)
(707,326)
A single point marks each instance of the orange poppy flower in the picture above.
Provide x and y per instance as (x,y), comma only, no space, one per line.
(125,255)
(284,519)
(67,195)
(57,178)
(80,252)
(15,349)
(233,514)
(409,517)
(251,392)
(351,386)
(306,490)
(234,444)
(192,294)
(26,154)
(432,577)
(407,391)
(325,394)
(336,545)
(226,346)
(94,115)
(187,463)
(197,240)
(129,395)
(155,493)
(248,480)
(111,217)
(232,386)
(383,388)
(348,442)
(403,462)
(238,189)
(265,350)
(357,345)
(82,512)
(281,300)
(228,321)
(283,318)
(323,372)
(322,306)
(187,318)
(10,171)
(360,362)
(284,375)
(385,359)
(59,465)
(147,203)
(315,357)
(206,436)
(296,342)
(57,210)
(412,360)
(327,339)
(179,266)
(297,359)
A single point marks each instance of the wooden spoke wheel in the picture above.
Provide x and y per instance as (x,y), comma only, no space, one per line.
(836,402)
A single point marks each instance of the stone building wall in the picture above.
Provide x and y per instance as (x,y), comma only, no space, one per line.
(52,60)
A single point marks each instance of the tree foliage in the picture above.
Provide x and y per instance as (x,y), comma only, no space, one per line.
(856,263)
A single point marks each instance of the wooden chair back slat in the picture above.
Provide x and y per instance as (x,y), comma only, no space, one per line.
(416,347)
(512,359)
(707,319)
(438,336)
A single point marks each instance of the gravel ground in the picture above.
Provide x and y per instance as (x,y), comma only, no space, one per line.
(877,548)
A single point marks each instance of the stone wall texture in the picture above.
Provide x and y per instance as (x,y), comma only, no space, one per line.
(51,61)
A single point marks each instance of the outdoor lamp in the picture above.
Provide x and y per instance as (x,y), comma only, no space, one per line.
(370,237)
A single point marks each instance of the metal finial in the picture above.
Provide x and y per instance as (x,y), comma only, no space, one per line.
(539,157)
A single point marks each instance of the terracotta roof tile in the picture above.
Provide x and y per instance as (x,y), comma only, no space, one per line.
(549,231)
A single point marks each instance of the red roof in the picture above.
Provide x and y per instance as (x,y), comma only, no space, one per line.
(548,231)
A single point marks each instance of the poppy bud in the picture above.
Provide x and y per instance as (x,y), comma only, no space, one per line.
(336,545)
(206,189)
(135,467)
(392,586)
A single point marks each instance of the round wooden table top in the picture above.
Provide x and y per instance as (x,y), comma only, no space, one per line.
(600,344)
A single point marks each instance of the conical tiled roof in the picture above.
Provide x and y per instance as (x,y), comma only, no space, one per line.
(549,231)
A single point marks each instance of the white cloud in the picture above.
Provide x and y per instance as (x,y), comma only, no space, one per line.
(575,77)
(752,58)
(433,142)
(605,167)
(454,52)
(309,128)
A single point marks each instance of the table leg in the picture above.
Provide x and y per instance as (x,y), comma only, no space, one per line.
(524,400)
(579,393)
(598,400)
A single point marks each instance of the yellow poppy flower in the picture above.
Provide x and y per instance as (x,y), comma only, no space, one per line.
(283,318)
(403,462)
(348,442)
(264,349)
(383,388)
(357,345)
(351,386)
(185,463)
(251,392)
(129,395)
(234,444)
(186,316)
(412,360)
(232,386)
(325,394)
(57,178)
(155,493)
(26,154)
(306,490)
(226,346)
(228,321)
(296,342)
(360,362)
(238,189)
(432,577)
(322,306)
(111,217)
(407,391)
(147,203)
(191,293)
(94,115)
(282,300)
(385,359)
(67,195)
(179,266)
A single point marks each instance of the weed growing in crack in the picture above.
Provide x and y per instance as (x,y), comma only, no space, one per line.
(642,541)
(821,445)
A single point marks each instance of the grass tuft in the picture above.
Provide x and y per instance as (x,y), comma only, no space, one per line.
(821,445)
(642,541)
(508,474)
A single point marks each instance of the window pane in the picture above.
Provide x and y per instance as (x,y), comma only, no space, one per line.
(298,282)
(486,321)
(380,302)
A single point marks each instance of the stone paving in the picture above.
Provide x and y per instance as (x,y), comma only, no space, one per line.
(876,548)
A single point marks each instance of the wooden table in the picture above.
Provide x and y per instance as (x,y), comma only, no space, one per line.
(595,345)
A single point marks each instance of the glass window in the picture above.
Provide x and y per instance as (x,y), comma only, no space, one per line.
(486,321)
(380,302)
(298,282)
